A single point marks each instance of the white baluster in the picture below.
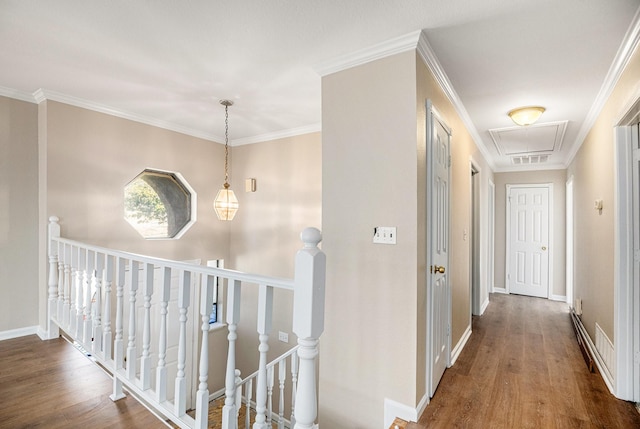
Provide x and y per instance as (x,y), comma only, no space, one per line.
(184,292)
(81,280)
(202,397)
(282,377)
(247,404)
(294,386)
(54,232)
(118,342)
(108,280)
(308,322)
(238,392)
(67,286)
(229,420)
(265,313)
(131,345)
(73,292)
(270,378)
(60,283)
(88,298)
(161,370)
(145,360)
(97,306)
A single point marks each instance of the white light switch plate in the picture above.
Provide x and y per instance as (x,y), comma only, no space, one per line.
(384,235)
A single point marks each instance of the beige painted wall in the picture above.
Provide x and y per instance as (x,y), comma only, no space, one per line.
(592,170)
(556,177)
(18,214)
(374,172)
(266,230)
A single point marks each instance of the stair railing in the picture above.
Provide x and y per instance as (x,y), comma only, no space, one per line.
(83,299)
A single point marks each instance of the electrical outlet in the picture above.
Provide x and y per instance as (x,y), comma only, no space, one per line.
(384,234)
(283,336)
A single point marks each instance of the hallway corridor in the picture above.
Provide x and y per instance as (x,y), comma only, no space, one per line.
(522,368)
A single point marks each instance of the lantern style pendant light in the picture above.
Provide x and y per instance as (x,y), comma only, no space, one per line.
(226,203)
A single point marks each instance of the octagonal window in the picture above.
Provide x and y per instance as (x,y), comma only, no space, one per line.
(159,204)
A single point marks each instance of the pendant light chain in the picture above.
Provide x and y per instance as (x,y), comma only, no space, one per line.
(226,145)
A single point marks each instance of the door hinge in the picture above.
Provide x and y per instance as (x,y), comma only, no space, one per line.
(449,160)
(636,255)
(448,330)
(636,357)
(636,155)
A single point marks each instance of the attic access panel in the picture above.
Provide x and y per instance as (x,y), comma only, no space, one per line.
(534,139)
(159,204)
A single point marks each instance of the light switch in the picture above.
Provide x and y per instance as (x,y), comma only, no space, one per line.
(384,235)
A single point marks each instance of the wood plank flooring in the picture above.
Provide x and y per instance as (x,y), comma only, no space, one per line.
(522,368)
(50,384)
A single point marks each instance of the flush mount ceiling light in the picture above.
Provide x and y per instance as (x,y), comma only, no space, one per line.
(226,203)
(524,116)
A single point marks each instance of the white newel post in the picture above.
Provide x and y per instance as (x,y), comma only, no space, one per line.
(229,419)
(265,313)
(54,232)
(202,397)
(308,323)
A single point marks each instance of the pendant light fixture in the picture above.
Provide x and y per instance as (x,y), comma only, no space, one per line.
(226,203)
(525,116)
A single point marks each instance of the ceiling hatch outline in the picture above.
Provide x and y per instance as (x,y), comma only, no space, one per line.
(543,138)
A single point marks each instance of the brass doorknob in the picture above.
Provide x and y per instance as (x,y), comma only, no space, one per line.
(437,269)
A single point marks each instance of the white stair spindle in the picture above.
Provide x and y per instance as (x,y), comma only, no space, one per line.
(161,369)
(229,420)
(73,292)
(54,232)
(60,282)
(97,305)
(106,333)
(249,396)
(270,379)
(265,313)
(184,292)
(88,299)
(145,360)
(282,377)
(81,280)
(294,386)
(131,345)
(308,322)
(202,397)
(67,286)
(118,342)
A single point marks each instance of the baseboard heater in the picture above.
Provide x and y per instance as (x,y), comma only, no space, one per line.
(582,341)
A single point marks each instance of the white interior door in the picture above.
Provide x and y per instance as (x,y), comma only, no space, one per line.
(528,240)
(439,303)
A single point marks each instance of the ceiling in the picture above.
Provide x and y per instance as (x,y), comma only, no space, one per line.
(168,63)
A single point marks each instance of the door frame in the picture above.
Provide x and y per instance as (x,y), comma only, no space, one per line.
(569,230)
(432,116)
(475,273)
(626,305)
(491,231)
(550,246)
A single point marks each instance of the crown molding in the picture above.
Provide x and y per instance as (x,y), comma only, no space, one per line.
(375,52)
(16,94)
(42,94)
(620,62)
(314,128)
(429,58)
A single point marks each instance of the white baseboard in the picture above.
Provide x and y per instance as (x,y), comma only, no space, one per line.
(20,332)
(606,351)
(393,409)
(500,290)
(484,306)
(458,348)
(597,358)
(558,298)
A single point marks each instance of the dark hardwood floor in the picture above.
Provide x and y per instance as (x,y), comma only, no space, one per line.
(522,368)
(50,384)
